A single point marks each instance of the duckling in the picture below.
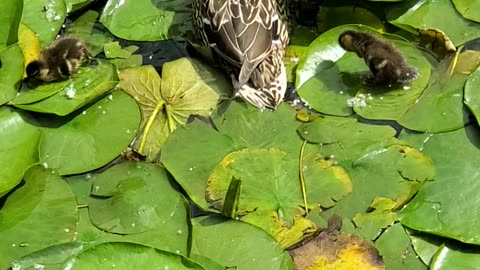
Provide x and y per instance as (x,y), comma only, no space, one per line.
(387,64)
(59,60)
(250,37)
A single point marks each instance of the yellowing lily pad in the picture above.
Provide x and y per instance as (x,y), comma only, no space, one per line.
(168,102)
(334,250)
(412,15)
(28,42)
(278,195)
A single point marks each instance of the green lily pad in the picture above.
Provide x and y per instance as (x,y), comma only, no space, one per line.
(74,5)
(468,9)
(114,50)
(238,128)
(330,17)
(129,256)
(395,247)
(378,165)
(249,127)
(140,198)
(12,13)
(122,57)
(165,237)
(237,244)
(381,216)
(91,31)
(168,102)
(453,257)
(145,20)
(345,138)
(413,14)
(472,98)
(19,141)
(45,18)
(426,245)
(276,208)
(45,203)
(438,210)
(193,172)
(440,108)
(330,90)
(11,72)
(92,138)
(43,91)
(87,85)
(52,257)
(206,263)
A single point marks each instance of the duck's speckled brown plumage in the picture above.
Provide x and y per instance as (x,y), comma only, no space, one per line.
(387,64)
(249,36)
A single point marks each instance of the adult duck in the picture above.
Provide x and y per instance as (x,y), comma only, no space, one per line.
(250,37)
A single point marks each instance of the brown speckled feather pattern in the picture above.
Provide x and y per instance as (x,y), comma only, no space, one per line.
(250,37)
(385,61)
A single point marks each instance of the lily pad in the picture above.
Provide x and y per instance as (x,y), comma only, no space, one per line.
(452,257)
(168,102)
(140,198)
(249,127)
(280,197)
(440,108)
(129,256)
(468,9)
(12,13)
(45,203)
(378,165)
(91,31)
(426,245)
(193,172)
(29,44)
(223,241)
(19,141)
(52,257)
(332,249)
(472,98)
(164,237)
(11,72)
(436,209)
(145,20)
(381,216)
(395,247)
(412,15)
(345,138)
(73,5)
(330,17)
(61,98)
(45,18)
(92,138)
